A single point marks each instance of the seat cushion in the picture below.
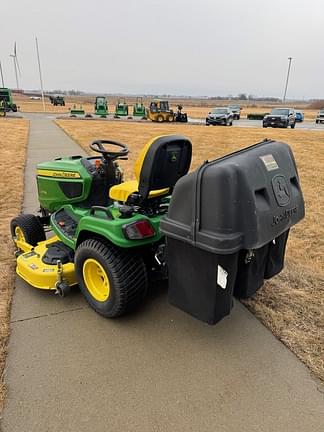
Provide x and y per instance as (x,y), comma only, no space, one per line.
(122,191)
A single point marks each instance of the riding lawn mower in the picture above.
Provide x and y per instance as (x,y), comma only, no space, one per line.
(215,233)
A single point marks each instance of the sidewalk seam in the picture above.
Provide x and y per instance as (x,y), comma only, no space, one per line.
(49,315)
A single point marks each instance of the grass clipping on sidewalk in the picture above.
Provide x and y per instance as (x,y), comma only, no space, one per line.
(292,303)
(13,143)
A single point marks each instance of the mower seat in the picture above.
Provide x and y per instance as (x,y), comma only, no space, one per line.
(160,164)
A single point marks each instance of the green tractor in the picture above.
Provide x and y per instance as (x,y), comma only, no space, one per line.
(121,108)
(216,232)
(57,100)
(139,108)
(101,106)
(6,97)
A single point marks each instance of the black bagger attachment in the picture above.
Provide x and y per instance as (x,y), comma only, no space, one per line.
(227,228)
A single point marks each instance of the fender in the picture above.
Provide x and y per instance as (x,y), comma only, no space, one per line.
(112,229)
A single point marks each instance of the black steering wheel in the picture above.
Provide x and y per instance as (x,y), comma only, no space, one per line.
(99,147)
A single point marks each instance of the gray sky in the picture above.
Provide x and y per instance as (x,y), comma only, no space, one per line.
(206,47)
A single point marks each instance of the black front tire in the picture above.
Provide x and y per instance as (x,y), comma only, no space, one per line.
(31,227)
(126,273)
(293,125)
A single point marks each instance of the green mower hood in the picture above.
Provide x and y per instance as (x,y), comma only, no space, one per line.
(62,181)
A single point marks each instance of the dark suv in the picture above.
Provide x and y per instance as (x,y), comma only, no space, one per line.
(280,117)
(220,116)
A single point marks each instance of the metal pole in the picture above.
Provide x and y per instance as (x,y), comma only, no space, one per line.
(289,65)
(15,66)
(1,74)
(40,74)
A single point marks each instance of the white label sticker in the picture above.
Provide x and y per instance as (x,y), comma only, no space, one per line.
(269,162)
(221,277)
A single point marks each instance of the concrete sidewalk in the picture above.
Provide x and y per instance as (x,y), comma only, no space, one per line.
(159,370)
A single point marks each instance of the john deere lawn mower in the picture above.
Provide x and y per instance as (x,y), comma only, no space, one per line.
(216,232)
(101,106)
(139,108)
(121,108)
(75,111)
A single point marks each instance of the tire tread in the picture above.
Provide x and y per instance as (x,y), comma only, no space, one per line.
(30,225)
(128,272)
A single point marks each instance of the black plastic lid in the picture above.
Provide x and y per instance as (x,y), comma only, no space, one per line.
(240,201)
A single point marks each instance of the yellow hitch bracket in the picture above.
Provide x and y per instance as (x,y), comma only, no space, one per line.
(62,286)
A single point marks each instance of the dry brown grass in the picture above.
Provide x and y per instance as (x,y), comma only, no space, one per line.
(291,304)
(316,105)
(13,142)
(27,105)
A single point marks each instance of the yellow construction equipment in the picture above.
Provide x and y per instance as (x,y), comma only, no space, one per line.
(159,111)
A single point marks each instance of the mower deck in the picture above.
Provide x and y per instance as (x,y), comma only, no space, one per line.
(39,265)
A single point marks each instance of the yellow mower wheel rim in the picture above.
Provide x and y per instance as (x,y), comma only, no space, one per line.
(96,279)
(19,235)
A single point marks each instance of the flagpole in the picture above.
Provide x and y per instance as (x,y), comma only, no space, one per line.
(16,73)
(40,74)
(1,74)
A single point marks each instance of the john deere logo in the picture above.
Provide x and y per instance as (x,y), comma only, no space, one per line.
(281,191)
(173,157)
(59,174)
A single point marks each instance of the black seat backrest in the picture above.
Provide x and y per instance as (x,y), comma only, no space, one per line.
(167,159)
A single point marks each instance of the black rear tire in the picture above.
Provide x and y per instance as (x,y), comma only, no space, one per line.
(126,273)
(31,227)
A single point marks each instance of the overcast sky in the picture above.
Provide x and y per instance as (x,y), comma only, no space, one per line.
(203,47)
